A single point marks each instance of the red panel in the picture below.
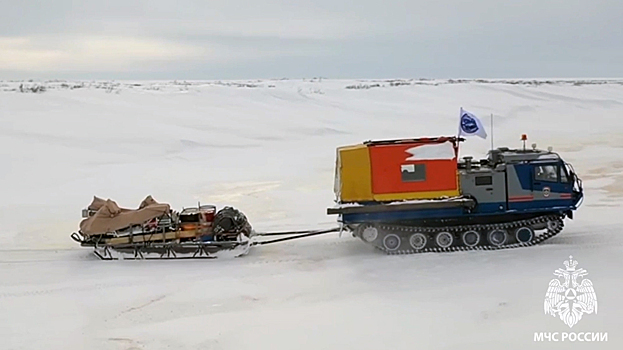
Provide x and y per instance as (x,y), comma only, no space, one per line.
(387,160)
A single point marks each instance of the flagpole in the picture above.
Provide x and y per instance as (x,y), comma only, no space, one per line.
(458,133)
(492,131)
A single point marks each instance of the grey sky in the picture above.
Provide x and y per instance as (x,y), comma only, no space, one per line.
(234,39)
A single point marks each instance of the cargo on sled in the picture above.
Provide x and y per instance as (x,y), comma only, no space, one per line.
(154,230)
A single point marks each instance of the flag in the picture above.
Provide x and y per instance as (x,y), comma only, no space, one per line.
(470,125)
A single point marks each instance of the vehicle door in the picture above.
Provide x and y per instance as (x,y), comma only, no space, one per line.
(550,184)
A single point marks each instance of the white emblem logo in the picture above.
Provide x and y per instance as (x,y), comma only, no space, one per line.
(570,299)
(546,191)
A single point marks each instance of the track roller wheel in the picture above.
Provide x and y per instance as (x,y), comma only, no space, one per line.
(471,238)
(418,241)
(444,239)
(554,225)
(497,237)
(391,242)
(367,232)
(524,234)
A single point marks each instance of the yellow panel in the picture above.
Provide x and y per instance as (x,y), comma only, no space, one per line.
(354,181)
(415,195)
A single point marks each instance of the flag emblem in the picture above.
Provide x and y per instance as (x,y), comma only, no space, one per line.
(470,125)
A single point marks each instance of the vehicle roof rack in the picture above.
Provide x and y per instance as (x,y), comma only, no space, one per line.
(423,140)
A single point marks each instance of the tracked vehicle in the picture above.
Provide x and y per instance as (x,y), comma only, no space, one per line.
(414,195)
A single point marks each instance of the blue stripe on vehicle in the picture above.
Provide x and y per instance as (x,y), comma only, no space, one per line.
(541,204)
(402,215)
(484,209)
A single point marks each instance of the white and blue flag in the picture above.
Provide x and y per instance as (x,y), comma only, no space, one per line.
(470,125)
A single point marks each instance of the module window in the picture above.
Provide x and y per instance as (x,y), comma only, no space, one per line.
(413,172)
(484,180)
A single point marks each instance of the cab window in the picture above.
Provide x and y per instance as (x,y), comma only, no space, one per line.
(547,172)
(563,175)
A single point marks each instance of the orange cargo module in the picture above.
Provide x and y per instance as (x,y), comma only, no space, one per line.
(424,168)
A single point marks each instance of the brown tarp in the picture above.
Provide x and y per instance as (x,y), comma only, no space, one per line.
(109,217)
(96,203)
(147,202)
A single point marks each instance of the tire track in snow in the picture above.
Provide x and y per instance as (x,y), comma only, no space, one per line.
(155,300)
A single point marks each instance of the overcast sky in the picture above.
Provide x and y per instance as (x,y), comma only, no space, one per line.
(240,39)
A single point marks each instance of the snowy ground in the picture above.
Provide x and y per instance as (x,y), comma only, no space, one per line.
(268,148)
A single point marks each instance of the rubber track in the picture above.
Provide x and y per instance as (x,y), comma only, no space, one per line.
(537,239)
